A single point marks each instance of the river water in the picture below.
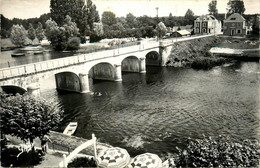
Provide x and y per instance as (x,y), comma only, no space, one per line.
(158,111)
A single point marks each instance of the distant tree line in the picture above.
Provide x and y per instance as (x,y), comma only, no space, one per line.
(75,19)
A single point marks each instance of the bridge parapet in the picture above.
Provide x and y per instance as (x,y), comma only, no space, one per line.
(32,68)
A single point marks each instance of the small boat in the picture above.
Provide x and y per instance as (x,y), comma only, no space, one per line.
(71,128)
(17,54)
(38,52)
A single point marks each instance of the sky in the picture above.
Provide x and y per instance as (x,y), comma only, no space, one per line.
(34,8)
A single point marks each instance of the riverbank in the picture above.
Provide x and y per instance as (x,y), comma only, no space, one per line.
(195,53)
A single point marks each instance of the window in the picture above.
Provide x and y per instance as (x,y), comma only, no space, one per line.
(233,19)
(204,30)
(238,31)
(198,24)
(204,24)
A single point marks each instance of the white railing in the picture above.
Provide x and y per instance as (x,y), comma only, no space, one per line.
(62,62)
(67,159)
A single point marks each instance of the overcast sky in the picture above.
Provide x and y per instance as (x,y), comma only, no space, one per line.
(34,8)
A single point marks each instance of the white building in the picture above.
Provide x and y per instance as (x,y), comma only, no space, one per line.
(207,24)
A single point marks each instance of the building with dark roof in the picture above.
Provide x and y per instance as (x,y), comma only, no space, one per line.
(235,25)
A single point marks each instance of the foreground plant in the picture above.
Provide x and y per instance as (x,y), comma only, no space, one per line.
(28,117)
(219,153)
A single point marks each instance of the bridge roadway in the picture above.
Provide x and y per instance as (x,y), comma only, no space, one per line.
(73,73)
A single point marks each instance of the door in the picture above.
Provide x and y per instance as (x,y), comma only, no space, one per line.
(232,32)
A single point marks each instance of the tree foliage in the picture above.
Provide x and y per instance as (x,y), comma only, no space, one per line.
(236,6)
(39,32)
(189,16)
(56,35)
(213,8)
(161,29)
(70,27)
(98,29)
(131,20)
(28,117)
(83,15)
(219,153)
(18,35)
(31,32)
(108,18)
(59,35)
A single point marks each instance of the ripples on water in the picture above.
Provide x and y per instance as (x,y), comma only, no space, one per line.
(159,110)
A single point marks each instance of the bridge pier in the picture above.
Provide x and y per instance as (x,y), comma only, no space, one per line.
(34,89)
(84,82)
(142,65)
(118,72)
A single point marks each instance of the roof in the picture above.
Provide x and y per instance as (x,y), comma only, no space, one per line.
(183,32)
(235,17)
(206,17)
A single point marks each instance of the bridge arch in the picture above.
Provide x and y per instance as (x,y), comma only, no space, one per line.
(153,58)
(103,71)
(68,81)
(131,64)
(12,89)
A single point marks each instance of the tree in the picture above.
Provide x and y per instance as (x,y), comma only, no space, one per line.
(39,32)
(28,117)
(170,21)
(189,17)
(213,8)
(109,18)
(161,29)
(56,35)
(31,32)
(59,35)
(83,15)
(18,35)
(236,6)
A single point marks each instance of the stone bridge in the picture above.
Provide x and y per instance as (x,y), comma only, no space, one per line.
(73,73)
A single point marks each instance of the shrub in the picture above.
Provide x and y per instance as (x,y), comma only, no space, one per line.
(9,157)
(73,43)
(207,62)
(83,39)
(94,38)
(219,153)
(83,162)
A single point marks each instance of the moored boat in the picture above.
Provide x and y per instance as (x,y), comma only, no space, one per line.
(17,54)
(71,128)
(38,52)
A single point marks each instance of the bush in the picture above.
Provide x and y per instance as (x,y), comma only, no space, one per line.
(94,38)
(9,157)
(207,62)
(83,162)
(83,39)
(73,43)
(219,153)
